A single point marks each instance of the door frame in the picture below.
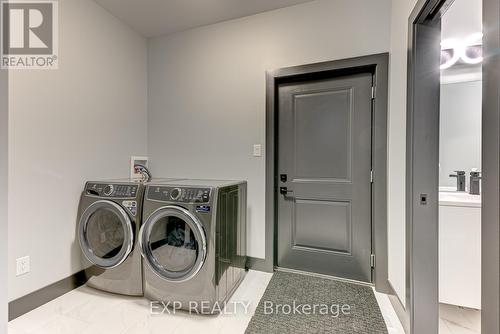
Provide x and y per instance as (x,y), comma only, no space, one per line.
(490,212)
(422,173)
(4,158)
(377,65)
(422,293)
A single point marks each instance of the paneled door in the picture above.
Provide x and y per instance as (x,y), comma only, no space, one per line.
(324,176)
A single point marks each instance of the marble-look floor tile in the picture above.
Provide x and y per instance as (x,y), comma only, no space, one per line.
(88,311)
(390,317)
(460,320)
(96,304)
(457,329)
(199,324)
(45,313)
(12,331)
(117,319)
(164,324)
(443,328)
(60,324)
(235,324)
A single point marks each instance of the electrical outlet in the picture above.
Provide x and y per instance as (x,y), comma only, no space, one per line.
(257,150)
(22,265)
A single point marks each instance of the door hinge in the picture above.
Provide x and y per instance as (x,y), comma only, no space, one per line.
(371,176)
(374,92)
(372,260)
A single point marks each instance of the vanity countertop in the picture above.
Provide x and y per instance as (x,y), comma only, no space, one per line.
(449,198)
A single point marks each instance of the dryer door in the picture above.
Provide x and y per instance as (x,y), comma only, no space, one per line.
(106,234)
(173,243)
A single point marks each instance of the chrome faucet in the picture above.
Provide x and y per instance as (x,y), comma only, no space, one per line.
(460,175)
(475,183)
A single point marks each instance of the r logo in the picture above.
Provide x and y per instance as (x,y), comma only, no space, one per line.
(29,28)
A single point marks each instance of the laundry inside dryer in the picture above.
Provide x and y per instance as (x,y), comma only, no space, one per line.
(173,244)
(105,234)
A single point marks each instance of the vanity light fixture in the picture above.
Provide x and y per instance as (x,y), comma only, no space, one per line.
(468,50)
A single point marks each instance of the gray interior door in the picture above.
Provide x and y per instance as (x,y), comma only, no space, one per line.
(324,162)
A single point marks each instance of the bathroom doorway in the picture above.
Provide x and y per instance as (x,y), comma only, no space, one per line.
(441,67)
(460,168)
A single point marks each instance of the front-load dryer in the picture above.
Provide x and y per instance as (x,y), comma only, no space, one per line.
(193,241)
(109,219)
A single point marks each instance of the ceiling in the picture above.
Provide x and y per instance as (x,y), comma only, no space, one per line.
(162,17)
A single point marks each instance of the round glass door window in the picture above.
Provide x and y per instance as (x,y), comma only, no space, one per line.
(106,234)
(173,243)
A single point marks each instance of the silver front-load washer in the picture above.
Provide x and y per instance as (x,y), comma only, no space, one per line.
(109,219)
(193,242)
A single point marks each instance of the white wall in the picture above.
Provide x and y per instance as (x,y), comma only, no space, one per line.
(82,121)
(465,17)
(461,100)
(3,198)
(401,10)
(459,130)
(207,87)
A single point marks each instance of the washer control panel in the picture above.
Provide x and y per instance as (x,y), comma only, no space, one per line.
(115,190)
(178,194)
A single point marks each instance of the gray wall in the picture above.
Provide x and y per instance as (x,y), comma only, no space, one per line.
(207,87)
(460,129)
(82,121)
(490,277)
(3,198)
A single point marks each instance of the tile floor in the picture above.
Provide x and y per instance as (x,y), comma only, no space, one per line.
(87,311)
(458,320)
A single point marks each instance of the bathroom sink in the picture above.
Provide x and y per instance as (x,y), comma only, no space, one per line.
(449,198)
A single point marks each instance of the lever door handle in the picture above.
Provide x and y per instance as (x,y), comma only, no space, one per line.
(285,191)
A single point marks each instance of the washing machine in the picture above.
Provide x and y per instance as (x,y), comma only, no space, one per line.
(109,218)
(193,242)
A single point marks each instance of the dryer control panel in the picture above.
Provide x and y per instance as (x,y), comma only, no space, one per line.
(178,194)
(112,190)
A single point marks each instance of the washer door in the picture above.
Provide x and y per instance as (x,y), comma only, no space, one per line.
(173,243)
(106,234)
